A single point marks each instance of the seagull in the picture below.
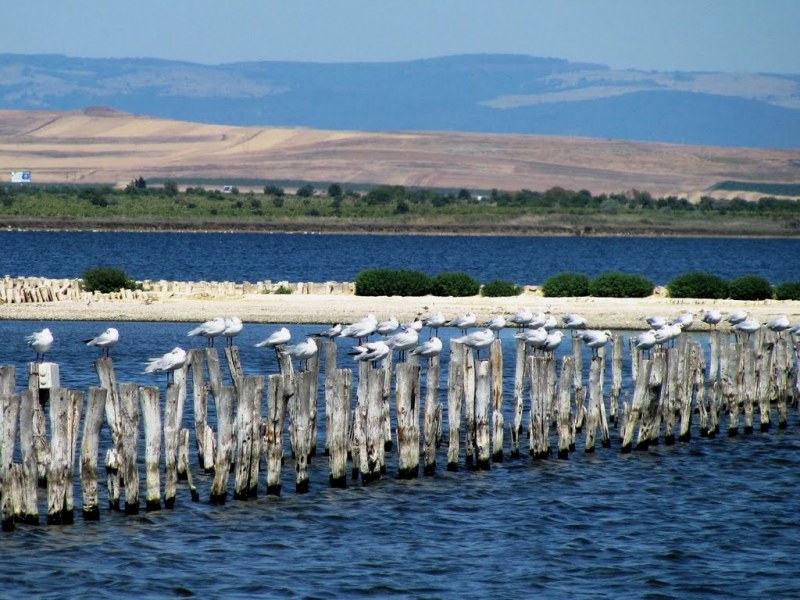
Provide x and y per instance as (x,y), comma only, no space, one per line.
(104,341)
(40,341)
(736,317)
(496,323)
(655,322)
(779,324)
(463,322)
(331,332)
(685,319)
(552,341)
(361,329)
(711,316)
(277,338)
(550,323)
(371,352)
(388,326)
(428,349)
(573,322)
(667,333)
(748,326)
(416,324)
(233,327)
(539,320)
(168,363)
(595,339)
(521,318)
(645,341)
(403,340)
(533,338)
(302,351)
(478,340)
(209,330)
(434,322)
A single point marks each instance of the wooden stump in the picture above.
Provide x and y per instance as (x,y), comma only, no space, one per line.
(219,488)
(302,428)
(433,415)
(455,391)
(9,418)
(183,462)
(150,400)
(129,410)
(374,438)
(482,439)
(498,423)
(565,422)
(538,422)
(469,408)
(638,404)
(248,437)
(519,384)
(29,511)
(407,417)
(338,417)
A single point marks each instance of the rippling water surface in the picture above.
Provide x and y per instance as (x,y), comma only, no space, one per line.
(704,519)
(296,257)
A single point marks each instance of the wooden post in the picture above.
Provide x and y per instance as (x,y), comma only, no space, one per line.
(693,373)
(29,509)
(108,380)
(469,408)
(519,383)
(580,392)
(764,361)
(312,365)
(205,457)
(183,460)
(171,431)
(234,365)
(302,426)
(498,423)
(130,442)
(638,404)
(358,429)
(58,466)
(653,409)
(671,390)
(455,390)
(616,380)
(273,439)
(782,366)
(716,340)
(564,413)
(248,446)
(214,372)
(593,416)
(150,400)
(386,423)
(538,422)
(433,415)
(9,418)
(407,417)
(40,445)
(714,402)
(338,416)
(222,467)
(734,382)
(749,383)
(482,390)
(329,351)
(373,432)
(113,464)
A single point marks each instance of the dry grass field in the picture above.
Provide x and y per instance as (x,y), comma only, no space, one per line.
(104,146)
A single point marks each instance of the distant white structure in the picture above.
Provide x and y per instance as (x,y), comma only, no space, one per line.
(20,176)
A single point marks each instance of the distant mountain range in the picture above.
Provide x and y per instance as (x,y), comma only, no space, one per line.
(471,93)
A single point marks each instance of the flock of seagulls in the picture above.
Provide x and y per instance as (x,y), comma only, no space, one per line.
(538,331)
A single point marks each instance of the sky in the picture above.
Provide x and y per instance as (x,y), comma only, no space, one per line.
(662,35)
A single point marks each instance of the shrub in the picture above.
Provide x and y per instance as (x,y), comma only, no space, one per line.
(750,287)
(392,282)
(500,288)
(454,284)
(620,285)
(788,290)
(107,279)
(698,285)
(566,284)
(282,290)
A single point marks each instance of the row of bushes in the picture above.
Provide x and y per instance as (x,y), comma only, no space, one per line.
(607,285)
(406,282)
(746,287)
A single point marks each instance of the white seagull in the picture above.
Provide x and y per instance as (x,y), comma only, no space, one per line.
(434,322)
(711,316)
(521,318)
(645,341)
(496,323)
(331,332)
(552,341)
(779,324)
(388,326)
(667,333)
(539,320)
(41,342)
(361,329)
(168,363)
(104,341)
(573,321)
(403,340)
(748,326)
(233,327)
(595,339)
(371,352)
(533,338)
(277,338)
(428,349)
(463,322)
(685,319)
(209,329)
(302,351)
(655,322)
(478,340)
(736,317)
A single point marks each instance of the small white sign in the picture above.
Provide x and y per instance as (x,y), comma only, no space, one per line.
(20,176)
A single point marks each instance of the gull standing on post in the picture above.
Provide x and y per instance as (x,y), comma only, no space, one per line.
(463,322)
(167,363)
(737,317)
(779,324)
(277,338)
(428,349)
(41,342)
(533,338)
(645,341)
(711,316)
(388,326)
(403,340)
(302,351)
(434,322)
(595,339)
(233,327)
(209,330)
(552,341)
(573,322)
(748,326)
(521,318)
(478,340)
(104,341)
(371,352)
(331,332)
(497,323)
(685,320)
(361,329)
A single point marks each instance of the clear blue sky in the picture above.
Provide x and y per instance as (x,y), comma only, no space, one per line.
(687,35)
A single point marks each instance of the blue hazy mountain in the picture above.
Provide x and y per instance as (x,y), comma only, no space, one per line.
(478,93)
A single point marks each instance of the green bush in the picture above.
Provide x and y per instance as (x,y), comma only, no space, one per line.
(566,284)
(788,290)
(392,282)
(500,288)
(750,287)
(454,284)
(620,285)
(698,285)
(107,279)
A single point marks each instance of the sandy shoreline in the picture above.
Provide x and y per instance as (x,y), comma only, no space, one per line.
(611,313)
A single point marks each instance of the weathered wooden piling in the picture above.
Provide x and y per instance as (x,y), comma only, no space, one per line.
(616,379)
(151,413)
(671,391)
(108,380)
(9,418)
(358,427)
(593,414)
(129,410)
(337,418)
(407,402)
(92,425)
(518,400)
(782,366)
(172,422)
(386,423)
(302,428)
(764,376)
(29,510)
(273,437)
(469,408)
(203,434)
(733,385)
(214,371)
(578,390)
(219,488)
(433,415)
(565,423)
(482,439)
(248,437)
(692,384)
(652,412)
(538,421)
(455,391)
(40,445)
(638,404)
(113,465)
(329,352)
(371,452)
(63,414)
(498,424)
(749,383)
(183,462)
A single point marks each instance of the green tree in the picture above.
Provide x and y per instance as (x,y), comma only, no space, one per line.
(335,190)
(170,188)
(306,191)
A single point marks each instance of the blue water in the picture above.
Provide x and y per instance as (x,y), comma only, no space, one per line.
(703,519)
(296,257)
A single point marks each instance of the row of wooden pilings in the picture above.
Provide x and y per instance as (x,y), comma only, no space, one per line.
(747,377)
